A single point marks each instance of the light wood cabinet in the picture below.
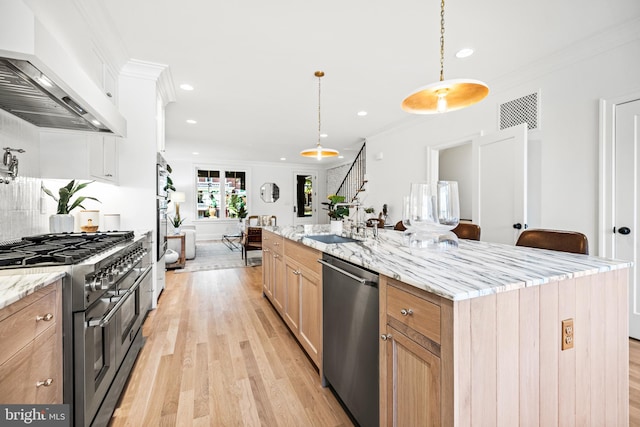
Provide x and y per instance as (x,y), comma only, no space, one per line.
(31,354)
(292,280)
(273,269)
(410,348)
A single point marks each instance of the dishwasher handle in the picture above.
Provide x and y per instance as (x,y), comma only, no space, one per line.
(346,273)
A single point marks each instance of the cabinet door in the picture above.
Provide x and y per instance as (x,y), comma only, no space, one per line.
(413,383)
(103,157)
(292,305)
(110,150)
(46,371)
(267,273)
(310,313)
(279,290)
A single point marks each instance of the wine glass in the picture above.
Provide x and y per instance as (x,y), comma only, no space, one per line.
(448,205)
(423,206)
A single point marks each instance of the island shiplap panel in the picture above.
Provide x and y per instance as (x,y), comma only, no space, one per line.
(586,385)
(549,307)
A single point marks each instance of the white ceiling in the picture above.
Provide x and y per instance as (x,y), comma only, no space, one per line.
(252,62)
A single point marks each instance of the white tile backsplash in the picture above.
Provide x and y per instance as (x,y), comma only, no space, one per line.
(20,213)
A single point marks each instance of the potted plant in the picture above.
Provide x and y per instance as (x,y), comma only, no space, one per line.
(176,221)
(336,213)
(237,206)
(62,220)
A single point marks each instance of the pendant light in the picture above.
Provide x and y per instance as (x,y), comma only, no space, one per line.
(319,151)
(445,95)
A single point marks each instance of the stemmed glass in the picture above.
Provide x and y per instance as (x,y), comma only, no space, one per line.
(432,211)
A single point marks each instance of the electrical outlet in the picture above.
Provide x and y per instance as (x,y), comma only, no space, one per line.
(567,334)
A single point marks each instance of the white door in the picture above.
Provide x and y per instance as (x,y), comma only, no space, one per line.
(305,203)
(500,197)
(626,234)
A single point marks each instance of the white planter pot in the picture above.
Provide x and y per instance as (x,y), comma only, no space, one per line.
(61,223)
(336,227)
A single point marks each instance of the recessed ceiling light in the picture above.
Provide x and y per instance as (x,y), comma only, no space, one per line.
(191,121)
(186,86)
(362,113)
(95,122)
(283,158)
(323,135)
(464,53)
(341,157)
(195,153)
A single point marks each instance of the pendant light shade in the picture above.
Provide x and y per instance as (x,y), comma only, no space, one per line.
(445,95)
(319,152)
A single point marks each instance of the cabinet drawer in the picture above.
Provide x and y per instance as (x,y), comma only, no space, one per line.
(420,315)
(304,255)
(272,241)
(20,328)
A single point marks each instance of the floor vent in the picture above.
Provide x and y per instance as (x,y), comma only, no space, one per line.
(520,110)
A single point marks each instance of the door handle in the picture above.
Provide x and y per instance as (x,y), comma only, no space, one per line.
(517,226)
(623,230)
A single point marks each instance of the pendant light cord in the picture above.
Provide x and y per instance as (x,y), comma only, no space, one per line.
(442,40)
(319,109)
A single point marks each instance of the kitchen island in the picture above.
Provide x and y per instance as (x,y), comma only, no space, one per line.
(474,335)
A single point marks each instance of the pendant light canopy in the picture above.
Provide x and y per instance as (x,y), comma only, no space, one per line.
(445,95)
(319,152)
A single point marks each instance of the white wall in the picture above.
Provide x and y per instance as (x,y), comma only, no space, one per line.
(184,179)
(564,168)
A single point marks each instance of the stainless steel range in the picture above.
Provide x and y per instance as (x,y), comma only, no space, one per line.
(106,295)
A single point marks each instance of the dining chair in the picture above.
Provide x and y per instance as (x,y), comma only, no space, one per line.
(467,230)
(555,240)
(251,241)
(375,222)
(253,220)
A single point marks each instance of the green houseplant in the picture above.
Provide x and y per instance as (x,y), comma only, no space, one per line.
(237,206)
(62,221)
(336,213)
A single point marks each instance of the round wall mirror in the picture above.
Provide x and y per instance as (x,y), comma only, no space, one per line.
(269,192)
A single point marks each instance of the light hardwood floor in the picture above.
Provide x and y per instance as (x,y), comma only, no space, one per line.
(217,354)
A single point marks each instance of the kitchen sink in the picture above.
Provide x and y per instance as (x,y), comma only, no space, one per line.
(331,238)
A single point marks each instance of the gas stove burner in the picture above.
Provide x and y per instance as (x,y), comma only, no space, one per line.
(40,249)
(11,259)
(75,253)
(65,241)
(59,248)
(47,260)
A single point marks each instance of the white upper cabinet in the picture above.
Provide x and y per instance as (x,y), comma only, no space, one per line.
(78,155)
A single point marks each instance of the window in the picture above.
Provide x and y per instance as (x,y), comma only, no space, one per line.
(219,197)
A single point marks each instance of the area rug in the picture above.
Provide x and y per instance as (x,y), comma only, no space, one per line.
(215,255)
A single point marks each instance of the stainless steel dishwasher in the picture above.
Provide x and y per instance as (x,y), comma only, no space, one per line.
(350,340)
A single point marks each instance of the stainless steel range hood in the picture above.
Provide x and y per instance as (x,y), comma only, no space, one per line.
(29,94)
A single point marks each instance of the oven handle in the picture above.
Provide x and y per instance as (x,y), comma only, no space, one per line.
(104,321)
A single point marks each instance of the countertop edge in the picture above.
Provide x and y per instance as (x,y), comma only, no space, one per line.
(351,255)
(17,286)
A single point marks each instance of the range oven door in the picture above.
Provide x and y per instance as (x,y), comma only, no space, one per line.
(130,315)
(95,363)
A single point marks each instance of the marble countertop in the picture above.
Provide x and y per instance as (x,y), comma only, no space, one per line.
(14,287)
(471,270)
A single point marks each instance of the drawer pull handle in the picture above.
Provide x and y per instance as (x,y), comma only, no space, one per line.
(406,312)
(45,383)
(47,317)
(385,337)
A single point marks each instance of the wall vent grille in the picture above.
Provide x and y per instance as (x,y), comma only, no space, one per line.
(520,110)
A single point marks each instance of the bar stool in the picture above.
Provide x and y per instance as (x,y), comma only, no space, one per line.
(555,240)
(466,230)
